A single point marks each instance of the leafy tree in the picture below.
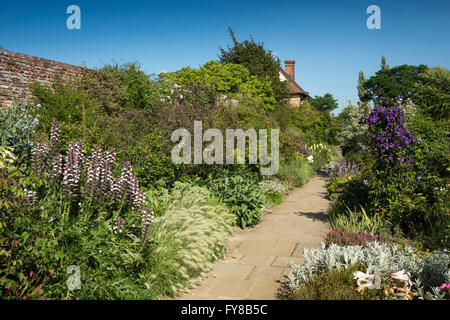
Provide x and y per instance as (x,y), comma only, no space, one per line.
(324,103)
(261,88)
(432,94)
(259,61)
(226,79)
(142,90)
(352,134)
(392,82)
(362,92)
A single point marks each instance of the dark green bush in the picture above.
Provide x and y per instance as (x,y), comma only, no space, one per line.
(77,113)
(154,163)
(242,195)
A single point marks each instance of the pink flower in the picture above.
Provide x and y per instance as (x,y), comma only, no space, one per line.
(37,265)
(444,286)
(31,274)
(51,272)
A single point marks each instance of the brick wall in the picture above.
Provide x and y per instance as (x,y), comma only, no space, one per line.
(19,71)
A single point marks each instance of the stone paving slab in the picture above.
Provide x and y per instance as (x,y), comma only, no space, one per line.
(257,260)
(283,261)
(259,257)
(231,271)
(265,273)
(232,288)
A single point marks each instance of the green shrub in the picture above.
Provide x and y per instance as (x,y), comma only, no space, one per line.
(295,171)
(336,284)
(105,88)
(274,191)
(17,129)
(352,136)
(77,113)
(322,155)
(426,273)
(432,95)
(142,92)
(356,221)
(152,162)
(226,78)
(187,238)
(26,254)
(242,195)
(405,177)
(70,214)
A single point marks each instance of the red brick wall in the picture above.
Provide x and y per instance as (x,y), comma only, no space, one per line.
(19,71)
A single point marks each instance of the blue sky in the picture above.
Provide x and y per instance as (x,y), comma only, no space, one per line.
(328,39)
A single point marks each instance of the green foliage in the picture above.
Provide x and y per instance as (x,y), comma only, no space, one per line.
(274,191)
(391,83)
(362,92)
(324,103)
(435,141)
(315,126)
(356,221)
(295,171)
(98,109)
(262,89)
(228,79)
(248,113)
(45,229)
(426,273)
(410,192)
(432,93)
(188,238)
(352,135)
(73,108)
(26,254)
(142,92)
(104,87)
(225,78)
(322,155)
(259,61)
(17,129)
(242,195)
(336,284)
(7,158)
(352,193)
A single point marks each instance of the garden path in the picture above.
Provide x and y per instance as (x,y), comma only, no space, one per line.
(258,258)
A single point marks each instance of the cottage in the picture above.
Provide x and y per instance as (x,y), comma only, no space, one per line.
(297,94)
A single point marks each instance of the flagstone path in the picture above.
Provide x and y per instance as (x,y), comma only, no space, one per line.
(258,257)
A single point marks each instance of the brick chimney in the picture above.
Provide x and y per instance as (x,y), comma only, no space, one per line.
(289,67)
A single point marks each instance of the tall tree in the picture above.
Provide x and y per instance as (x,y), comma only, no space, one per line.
(362,92)
(258,60)
(432,94)
(324,103)
(393,82)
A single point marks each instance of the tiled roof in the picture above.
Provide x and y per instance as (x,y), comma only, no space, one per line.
(294,87)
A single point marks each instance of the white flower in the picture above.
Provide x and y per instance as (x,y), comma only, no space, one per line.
(310,159)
